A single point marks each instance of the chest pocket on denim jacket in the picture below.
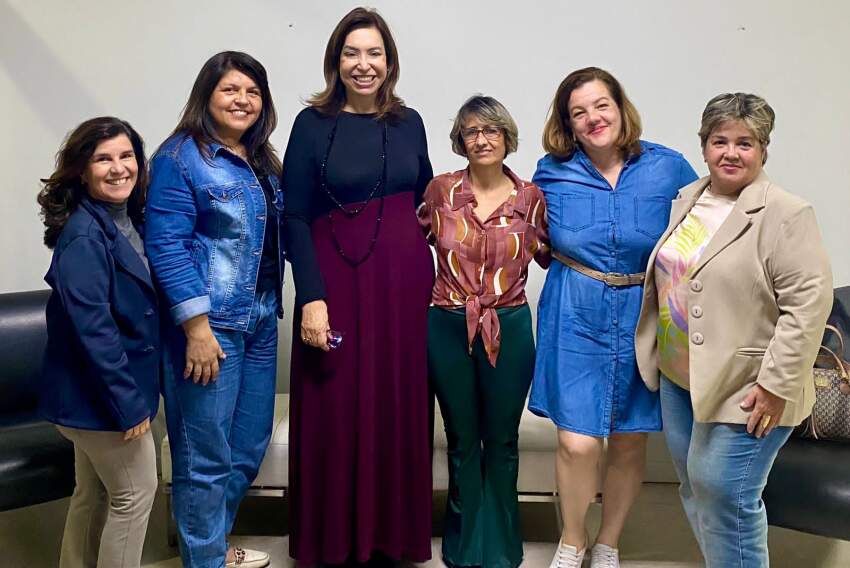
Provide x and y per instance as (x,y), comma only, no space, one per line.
(571,212)
(228,201)
(651,215)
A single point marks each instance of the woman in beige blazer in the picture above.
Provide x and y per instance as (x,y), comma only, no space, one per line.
(737,293)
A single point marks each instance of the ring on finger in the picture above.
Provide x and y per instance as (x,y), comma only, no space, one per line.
(765,421)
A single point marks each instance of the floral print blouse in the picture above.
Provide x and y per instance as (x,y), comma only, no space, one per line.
(674,265)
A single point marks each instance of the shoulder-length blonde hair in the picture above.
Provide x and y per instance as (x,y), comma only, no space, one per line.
(558,136)
(332,98)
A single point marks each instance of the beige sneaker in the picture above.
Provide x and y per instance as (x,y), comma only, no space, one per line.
(247,558)
(603,556)
(567,556)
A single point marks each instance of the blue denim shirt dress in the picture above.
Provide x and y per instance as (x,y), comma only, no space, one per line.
(586,378)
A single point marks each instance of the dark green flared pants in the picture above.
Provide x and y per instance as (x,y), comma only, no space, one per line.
(481,407)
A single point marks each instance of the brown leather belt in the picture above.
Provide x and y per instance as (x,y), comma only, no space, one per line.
(610,278)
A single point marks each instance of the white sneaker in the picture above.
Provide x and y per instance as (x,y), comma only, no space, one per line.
(603,556)
(567,556)
(247,558)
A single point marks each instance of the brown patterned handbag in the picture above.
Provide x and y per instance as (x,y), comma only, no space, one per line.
(830,419)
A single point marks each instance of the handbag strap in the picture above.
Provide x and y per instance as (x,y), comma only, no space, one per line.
(836,331)
(839,364)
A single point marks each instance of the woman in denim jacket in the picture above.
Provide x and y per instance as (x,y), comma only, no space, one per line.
(213,241)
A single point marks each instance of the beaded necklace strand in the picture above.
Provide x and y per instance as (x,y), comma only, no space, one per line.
(353,212)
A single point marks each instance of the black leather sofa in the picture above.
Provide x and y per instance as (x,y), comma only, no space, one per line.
(809,486)
(36,462)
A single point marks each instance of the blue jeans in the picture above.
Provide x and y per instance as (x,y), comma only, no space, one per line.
(219,432)
(723,471)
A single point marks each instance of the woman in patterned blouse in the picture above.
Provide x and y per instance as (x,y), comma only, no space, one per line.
(486,225)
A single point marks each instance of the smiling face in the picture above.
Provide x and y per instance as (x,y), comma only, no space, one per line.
(483,142)
(112,170)
(734,157)
(235,105)
(363,64)
(595,118)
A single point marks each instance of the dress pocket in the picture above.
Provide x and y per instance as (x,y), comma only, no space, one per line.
(573,212)
(651,215)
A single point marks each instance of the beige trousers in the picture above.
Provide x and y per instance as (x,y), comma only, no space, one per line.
(108,514)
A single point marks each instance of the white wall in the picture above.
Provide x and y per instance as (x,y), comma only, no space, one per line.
(62,61)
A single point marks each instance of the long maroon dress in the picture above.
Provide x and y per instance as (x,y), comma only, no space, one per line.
(360,465)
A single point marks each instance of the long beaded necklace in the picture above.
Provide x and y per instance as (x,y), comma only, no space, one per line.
(353,212)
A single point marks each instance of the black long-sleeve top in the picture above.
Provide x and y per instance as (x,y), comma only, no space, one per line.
(353,168)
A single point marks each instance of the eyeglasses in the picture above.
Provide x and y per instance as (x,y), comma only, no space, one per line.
(489,132)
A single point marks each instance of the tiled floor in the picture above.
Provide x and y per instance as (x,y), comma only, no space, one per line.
(537,554)
(656,534)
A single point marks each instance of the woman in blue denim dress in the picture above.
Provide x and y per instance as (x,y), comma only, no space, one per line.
(213,240)
(608,197)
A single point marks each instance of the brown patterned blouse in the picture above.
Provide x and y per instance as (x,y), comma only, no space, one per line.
(483,265)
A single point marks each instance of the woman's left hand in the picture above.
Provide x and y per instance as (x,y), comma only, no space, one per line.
(138,430)
(766,410)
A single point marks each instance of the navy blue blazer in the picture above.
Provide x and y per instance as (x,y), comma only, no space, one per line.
(102,362)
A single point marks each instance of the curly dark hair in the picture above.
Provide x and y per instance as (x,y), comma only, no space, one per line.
(64,189)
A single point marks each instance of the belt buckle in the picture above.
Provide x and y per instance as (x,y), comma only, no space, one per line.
(613,278)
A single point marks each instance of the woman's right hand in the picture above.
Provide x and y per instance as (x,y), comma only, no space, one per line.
(202,350)
(138,430)
(314,324)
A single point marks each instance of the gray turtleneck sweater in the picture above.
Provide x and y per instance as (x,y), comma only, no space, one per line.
(118,212)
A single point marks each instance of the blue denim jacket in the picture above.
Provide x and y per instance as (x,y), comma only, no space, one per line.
(205,222)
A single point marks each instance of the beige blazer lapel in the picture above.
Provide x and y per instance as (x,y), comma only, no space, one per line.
(682,205)
(749,201)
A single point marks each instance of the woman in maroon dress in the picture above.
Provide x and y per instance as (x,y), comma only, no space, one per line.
(355,169)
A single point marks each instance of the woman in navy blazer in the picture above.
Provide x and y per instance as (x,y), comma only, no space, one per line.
(101,367)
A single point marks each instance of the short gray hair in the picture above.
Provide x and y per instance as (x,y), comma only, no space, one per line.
(750,109)
(491,112)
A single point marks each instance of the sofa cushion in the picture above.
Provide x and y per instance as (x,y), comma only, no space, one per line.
(23,335)
(36,465)
(809,488)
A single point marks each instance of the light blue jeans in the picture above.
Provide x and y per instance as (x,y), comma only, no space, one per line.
(219,432)
(723,471)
